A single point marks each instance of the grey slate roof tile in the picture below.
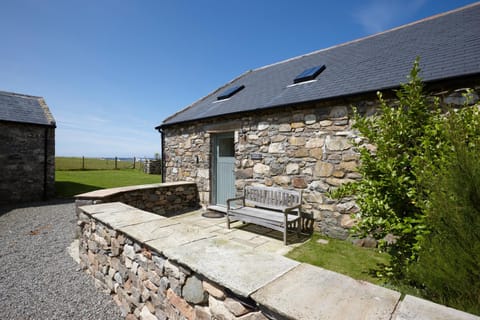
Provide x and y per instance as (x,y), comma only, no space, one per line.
(15,107)
(448,46)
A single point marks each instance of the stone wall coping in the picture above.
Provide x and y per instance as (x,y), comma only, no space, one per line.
(235,267)
(103,193)
(326,293)
(117,215)
(277,284)
(148,231)
(413,308)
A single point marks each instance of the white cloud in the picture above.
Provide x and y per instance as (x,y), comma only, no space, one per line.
(379,15)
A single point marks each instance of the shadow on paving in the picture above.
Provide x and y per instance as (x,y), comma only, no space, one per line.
(292,236)
(6,208)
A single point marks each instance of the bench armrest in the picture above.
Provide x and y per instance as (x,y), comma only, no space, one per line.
(290,209)
(233,200)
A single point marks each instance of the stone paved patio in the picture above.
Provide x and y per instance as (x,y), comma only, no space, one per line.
(256,237)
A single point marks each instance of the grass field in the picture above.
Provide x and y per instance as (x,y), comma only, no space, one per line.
(79,163)
(71,183)
(341,256)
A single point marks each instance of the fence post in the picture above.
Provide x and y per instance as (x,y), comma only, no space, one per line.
(134,161)
(83,163)
(116,163)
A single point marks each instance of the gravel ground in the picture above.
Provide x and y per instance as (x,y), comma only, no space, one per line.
(38,278)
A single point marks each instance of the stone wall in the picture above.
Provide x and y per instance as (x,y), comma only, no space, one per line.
(24,174)
(160,268)
(166,199)
(306,147)
(147,285)
(152,166)
(188,157)
(303,148)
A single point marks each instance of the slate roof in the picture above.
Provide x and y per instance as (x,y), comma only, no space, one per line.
(15,107)
(448,46)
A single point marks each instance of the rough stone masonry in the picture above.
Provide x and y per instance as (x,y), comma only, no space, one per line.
(310,147)
(27,160)
(146,285)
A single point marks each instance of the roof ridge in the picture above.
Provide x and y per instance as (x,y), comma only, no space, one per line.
(9,93)
(436,16)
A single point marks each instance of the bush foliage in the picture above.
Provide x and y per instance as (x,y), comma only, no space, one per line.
(388,194)
(447,268)
(421,186)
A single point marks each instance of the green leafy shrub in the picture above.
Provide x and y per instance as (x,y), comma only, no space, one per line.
(421,185)
(388,194)
(448,262)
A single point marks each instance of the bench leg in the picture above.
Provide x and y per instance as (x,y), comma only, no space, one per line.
(228,221)
(285,235)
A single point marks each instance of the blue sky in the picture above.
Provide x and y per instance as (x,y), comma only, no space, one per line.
(112,70)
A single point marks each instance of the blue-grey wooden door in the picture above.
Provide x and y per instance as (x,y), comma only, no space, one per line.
(224,168)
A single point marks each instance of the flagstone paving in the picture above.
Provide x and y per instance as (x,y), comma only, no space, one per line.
(252,236)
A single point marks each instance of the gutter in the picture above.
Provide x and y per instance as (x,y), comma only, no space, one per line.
(162,154)
(45,165)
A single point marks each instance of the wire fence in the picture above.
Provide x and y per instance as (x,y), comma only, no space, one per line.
(113,163)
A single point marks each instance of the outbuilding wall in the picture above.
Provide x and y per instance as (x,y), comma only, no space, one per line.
(27,162)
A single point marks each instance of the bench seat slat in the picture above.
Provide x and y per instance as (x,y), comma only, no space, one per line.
(269,215)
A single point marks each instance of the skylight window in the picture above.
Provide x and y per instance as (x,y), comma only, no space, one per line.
(309,74)
(230,92)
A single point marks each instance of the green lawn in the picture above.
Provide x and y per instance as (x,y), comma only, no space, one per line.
(348,259)
(342,257)
(70,183)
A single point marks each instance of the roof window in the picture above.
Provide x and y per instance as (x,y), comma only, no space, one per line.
(309,74)
(230,92)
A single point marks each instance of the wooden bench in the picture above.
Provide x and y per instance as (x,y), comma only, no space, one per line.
(274,208)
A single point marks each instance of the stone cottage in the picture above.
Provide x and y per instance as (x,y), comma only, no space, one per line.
(289,124)
(27,149)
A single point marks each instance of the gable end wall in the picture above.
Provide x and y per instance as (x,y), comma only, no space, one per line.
(22,162)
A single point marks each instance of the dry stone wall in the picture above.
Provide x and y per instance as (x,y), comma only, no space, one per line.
(308,147)
(166,199)
(152,166)
(147,285)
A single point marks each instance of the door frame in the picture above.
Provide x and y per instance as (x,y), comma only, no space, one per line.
(214,148)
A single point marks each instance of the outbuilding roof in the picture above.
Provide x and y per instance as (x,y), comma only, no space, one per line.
(15,107)
(448,45)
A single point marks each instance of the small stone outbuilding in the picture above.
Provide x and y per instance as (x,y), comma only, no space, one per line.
(289,124)
(27,149)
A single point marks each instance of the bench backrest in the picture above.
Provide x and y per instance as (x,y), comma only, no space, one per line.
(272,198)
